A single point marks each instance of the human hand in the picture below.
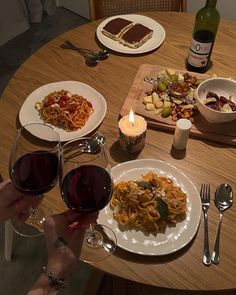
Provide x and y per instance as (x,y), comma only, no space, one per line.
(64,234)
(14,203)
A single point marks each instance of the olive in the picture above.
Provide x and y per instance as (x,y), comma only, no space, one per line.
(174,77)
(166,112)
(161,86)
(166,82)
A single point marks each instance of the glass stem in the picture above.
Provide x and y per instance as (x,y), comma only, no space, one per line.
(33,212)
(92,235)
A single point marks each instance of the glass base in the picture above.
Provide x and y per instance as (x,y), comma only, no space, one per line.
(33,225)
(99,246)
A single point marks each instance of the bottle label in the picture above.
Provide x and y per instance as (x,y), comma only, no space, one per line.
(199,53)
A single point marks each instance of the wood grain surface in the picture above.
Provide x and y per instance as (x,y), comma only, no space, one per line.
(203,161)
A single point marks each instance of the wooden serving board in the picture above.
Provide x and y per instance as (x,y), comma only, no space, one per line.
(223,133)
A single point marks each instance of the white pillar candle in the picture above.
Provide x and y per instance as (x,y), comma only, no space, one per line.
(132,130)
(181,135)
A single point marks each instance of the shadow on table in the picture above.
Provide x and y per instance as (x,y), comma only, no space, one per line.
(145,259)
(120,155)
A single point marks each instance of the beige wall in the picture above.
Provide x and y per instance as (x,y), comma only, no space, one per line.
(226,8)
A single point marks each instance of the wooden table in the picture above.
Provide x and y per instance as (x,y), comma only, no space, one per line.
(204,162)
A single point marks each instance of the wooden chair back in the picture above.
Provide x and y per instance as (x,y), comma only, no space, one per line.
(105,8)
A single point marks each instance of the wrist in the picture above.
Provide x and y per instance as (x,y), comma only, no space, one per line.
(48,283)
(42,287)
(62,262)
(54,281)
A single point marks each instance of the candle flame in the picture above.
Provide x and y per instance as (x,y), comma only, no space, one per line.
(131,117)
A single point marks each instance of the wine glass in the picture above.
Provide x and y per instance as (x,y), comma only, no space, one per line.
(86,187)
(33,169)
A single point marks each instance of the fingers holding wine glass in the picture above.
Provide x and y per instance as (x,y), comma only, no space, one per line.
(25,205)
(86,187)
(14,202)
(33,169)
(64,235)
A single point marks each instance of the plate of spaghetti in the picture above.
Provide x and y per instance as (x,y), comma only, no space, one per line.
(151,209)
(72,108)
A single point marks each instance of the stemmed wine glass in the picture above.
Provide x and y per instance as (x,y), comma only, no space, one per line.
(33,169)
(86,187)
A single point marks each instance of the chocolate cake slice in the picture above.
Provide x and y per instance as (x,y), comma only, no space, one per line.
(114,28)
(135,36)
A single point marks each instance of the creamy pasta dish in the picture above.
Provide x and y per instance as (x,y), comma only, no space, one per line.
(150,204)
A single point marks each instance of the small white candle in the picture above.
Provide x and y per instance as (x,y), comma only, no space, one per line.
(181,135)
(132,132)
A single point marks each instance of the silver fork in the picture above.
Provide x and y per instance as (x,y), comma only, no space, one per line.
(205,197)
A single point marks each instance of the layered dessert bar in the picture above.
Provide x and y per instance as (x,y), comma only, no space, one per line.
(116,27)
(135,36)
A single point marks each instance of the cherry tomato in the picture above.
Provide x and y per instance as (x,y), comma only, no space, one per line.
(49,102)
(62,101)
(90,104)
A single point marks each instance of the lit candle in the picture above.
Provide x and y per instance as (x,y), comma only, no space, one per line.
(132,130)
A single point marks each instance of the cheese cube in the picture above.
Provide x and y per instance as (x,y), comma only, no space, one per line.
(180,77)
(147,99)
(167,104)
(150,107)
(170,72)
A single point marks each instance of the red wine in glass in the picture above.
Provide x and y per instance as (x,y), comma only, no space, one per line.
(87,189)
(35,172)
(34,169)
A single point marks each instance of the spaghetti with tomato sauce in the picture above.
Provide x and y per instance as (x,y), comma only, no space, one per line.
(65,110)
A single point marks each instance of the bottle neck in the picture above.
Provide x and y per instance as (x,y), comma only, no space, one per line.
(210,3)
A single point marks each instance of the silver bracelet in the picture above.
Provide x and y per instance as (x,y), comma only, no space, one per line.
(54,281)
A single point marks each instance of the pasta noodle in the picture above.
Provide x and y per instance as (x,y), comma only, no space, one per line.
(150,204)
(64,110)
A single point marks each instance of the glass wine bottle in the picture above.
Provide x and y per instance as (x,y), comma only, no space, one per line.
(203,38)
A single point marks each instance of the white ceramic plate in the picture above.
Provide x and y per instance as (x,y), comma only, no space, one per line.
(28,113)
(157,38)
(174,238)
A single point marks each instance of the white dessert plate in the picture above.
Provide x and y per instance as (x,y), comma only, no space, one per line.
(174,238)
(157,38)
(28,114)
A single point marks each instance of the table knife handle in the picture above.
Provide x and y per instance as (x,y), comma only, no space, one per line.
(206,252)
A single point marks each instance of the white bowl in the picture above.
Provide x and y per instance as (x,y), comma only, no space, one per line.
(222,87)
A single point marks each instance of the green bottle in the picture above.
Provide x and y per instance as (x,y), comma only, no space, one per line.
(204,33)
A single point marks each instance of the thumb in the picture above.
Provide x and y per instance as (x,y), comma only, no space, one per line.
(23,204)
(22,217)
(84,220)
(75,219)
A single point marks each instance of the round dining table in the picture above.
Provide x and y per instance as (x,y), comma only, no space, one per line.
(204,160)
